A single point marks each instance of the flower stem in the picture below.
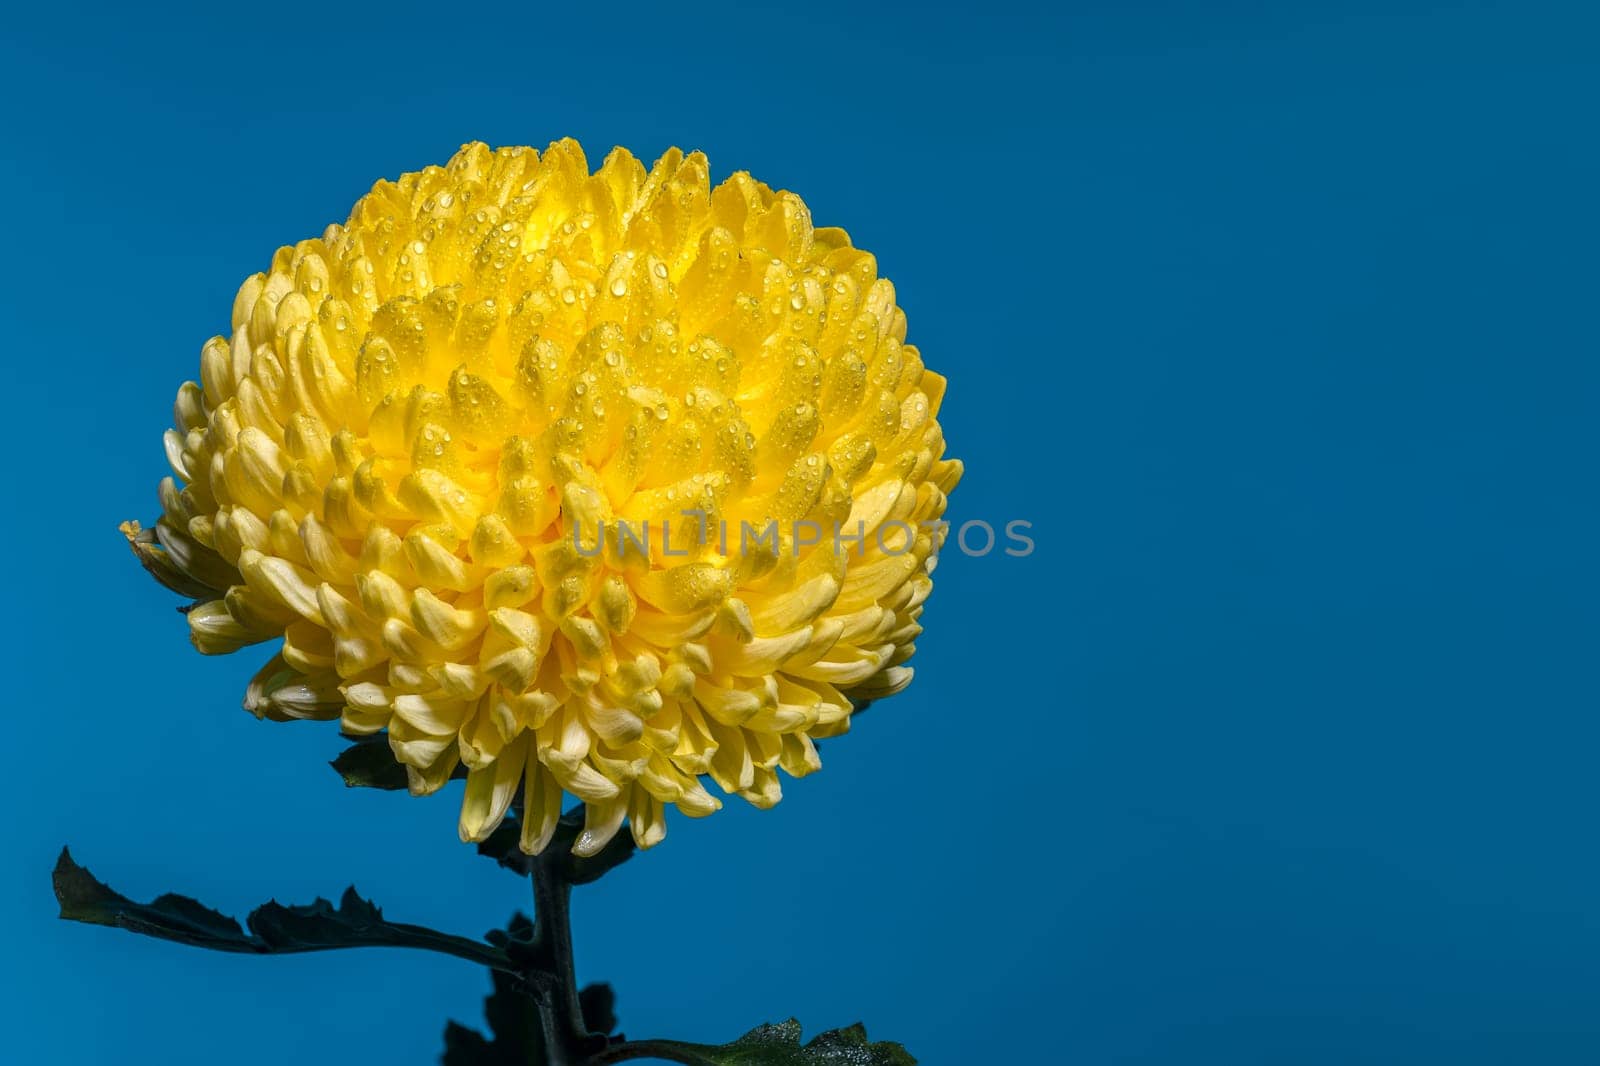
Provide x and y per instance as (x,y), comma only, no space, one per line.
(567,1037)
(669,1050)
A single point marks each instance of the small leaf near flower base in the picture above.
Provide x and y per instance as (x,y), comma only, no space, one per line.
(501,846)
(369,763)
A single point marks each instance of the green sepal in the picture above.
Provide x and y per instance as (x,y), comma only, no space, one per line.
(502,847)
(370,763)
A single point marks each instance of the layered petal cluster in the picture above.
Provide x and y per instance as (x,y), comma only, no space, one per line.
(410,458)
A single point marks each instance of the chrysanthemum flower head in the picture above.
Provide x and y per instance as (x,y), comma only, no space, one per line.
(592,483)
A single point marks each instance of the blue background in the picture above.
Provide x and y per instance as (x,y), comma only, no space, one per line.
(1278,322)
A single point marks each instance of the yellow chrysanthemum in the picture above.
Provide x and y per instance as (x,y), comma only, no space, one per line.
(409,460)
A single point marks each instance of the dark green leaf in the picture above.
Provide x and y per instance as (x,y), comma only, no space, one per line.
(778,1044)
(503,847)
(848,1044)
(83,898)
(516,940)
(369,763)
(274,928)
(513,1019)
(519,929)
(599,1005)
(465,1047)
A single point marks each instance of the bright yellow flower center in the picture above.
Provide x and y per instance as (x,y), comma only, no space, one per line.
(415,459)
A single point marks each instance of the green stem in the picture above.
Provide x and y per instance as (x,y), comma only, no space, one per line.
(670,1050)
(567,1037)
